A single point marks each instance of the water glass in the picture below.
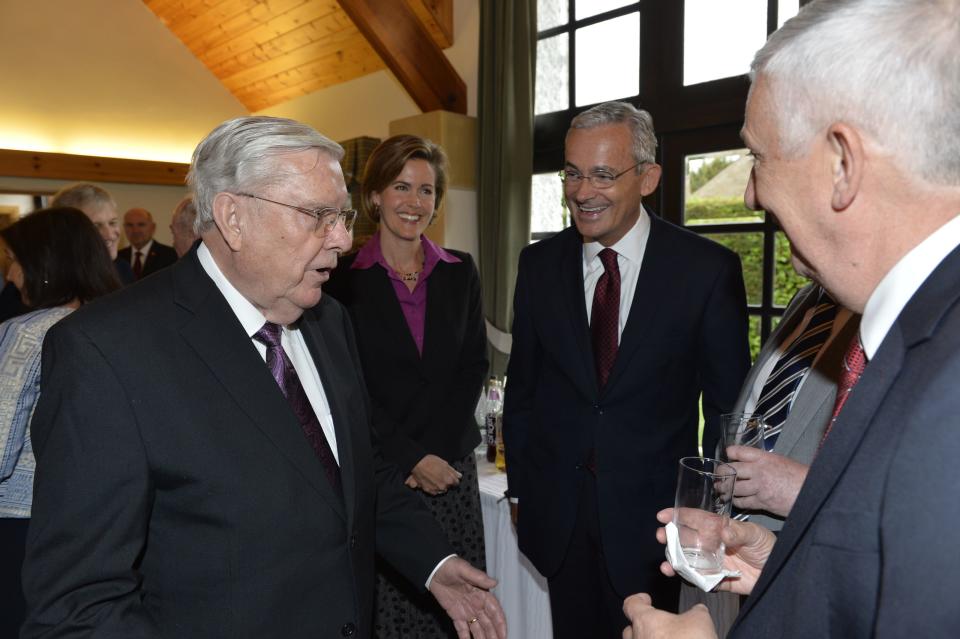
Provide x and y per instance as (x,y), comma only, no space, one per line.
(702,510)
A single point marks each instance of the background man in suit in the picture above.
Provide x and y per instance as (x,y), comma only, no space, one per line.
(210,494)
(793,382)
(859,165)
(182,226)
(144,255)
(620,323)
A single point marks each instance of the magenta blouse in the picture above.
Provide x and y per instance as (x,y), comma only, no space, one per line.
(412,303)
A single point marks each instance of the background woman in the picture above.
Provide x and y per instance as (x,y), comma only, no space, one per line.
(416,309)
(58,261)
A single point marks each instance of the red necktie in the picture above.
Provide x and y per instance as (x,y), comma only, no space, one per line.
(605,316)
(137,265)
(854,361)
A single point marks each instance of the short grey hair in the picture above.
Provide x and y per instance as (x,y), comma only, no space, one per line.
(888,67)
(185,215)
(639,121)
(83,196)
(240,154)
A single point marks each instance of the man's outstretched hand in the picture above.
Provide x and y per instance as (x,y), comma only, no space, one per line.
(464,593)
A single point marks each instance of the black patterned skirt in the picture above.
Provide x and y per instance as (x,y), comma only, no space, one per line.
(402,611)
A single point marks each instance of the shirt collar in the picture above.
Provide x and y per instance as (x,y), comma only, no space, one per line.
(371,254)
(250,318)
(902,282)
(145,251)
(631,246)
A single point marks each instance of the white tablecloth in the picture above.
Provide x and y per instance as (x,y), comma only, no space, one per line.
(522,591)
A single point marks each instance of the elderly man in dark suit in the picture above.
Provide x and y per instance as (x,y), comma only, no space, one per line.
(144,255)
(860,168)
(228,487)
(621,324)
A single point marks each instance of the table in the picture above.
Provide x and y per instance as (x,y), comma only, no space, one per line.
(522,591)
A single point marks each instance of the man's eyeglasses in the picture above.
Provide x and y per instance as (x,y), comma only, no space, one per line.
(326,217)
(599,180)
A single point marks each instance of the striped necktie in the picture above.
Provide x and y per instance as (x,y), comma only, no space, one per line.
(781,386)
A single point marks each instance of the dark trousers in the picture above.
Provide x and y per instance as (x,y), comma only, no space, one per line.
(583,602)
(13,540)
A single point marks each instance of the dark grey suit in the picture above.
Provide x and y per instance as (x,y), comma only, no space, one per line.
(176,495)
(870,545)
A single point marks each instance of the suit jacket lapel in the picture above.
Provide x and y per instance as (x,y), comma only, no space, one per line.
(791,317)
(335,384)
(818,389)
(219,340)
(377,286)
(651,285)
(571,275)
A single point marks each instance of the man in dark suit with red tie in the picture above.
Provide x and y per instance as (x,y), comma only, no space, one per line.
(144,255)
(222,480)
(851,119)
(621,325)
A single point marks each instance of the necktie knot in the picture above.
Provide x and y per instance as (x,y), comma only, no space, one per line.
(269,335)
(608,257)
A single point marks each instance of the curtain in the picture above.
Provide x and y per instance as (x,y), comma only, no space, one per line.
(508,41)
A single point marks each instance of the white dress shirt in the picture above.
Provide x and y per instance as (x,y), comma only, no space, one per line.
(291,340)
(902,282)
(630,250)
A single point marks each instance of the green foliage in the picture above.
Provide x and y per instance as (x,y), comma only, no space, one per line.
(707,171)
(749,246)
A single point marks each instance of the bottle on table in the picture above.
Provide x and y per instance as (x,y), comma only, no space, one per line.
(501,460)
(493,416)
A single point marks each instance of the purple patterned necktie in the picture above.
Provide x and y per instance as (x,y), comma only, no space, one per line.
(286,377)
(605,316)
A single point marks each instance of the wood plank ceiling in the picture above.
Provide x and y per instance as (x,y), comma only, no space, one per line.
(269,51)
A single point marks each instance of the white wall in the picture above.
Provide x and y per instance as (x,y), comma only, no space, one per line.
(102,77)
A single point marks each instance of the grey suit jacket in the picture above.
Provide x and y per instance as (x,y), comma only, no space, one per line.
(813,405)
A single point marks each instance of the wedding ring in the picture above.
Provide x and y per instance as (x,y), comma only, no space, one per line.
(474,620)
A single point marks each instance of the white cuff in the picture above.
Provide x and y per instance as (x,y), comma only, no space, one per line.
(442,561)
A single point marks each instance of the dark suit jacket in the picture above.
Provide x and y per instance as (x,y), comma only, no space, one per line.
(160,256)
(420,404)
(686,334)
(181,499)
(870,546)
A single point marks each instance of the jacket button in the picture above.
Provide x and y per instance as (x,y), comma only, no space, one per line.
(353,541)
(348,630)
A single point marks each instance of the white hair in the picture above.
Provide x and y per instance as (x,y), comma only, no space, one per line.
(240,155)
(889,67)
(639,121)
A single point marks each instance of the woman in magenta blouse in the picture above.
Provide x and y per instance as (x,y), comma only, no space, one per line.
(416,309)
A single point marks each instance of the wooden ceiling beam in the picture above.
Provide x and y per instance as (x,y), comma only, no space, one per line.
(62,166)
(405,45)
(437,16)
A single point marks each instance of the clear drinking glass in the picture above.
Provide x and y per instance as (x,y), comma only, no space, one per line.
(702,510)
(740,429)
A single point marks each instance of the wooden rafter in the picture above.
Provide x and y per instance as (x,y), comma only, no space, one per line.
(405,45)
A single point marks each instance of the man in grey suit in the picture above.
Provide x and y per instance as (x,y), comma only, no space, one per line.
(770,479)
(851,117)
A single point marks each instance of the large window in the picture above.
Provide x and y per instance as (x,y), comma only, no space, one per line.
(684,61)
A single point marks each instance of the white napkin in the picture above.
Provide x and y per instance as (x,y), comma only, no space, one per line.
(679,562)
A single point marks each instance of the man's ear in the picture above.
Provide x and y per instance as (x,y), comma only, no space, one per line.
(847,158)
(651,178)
(229,221)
